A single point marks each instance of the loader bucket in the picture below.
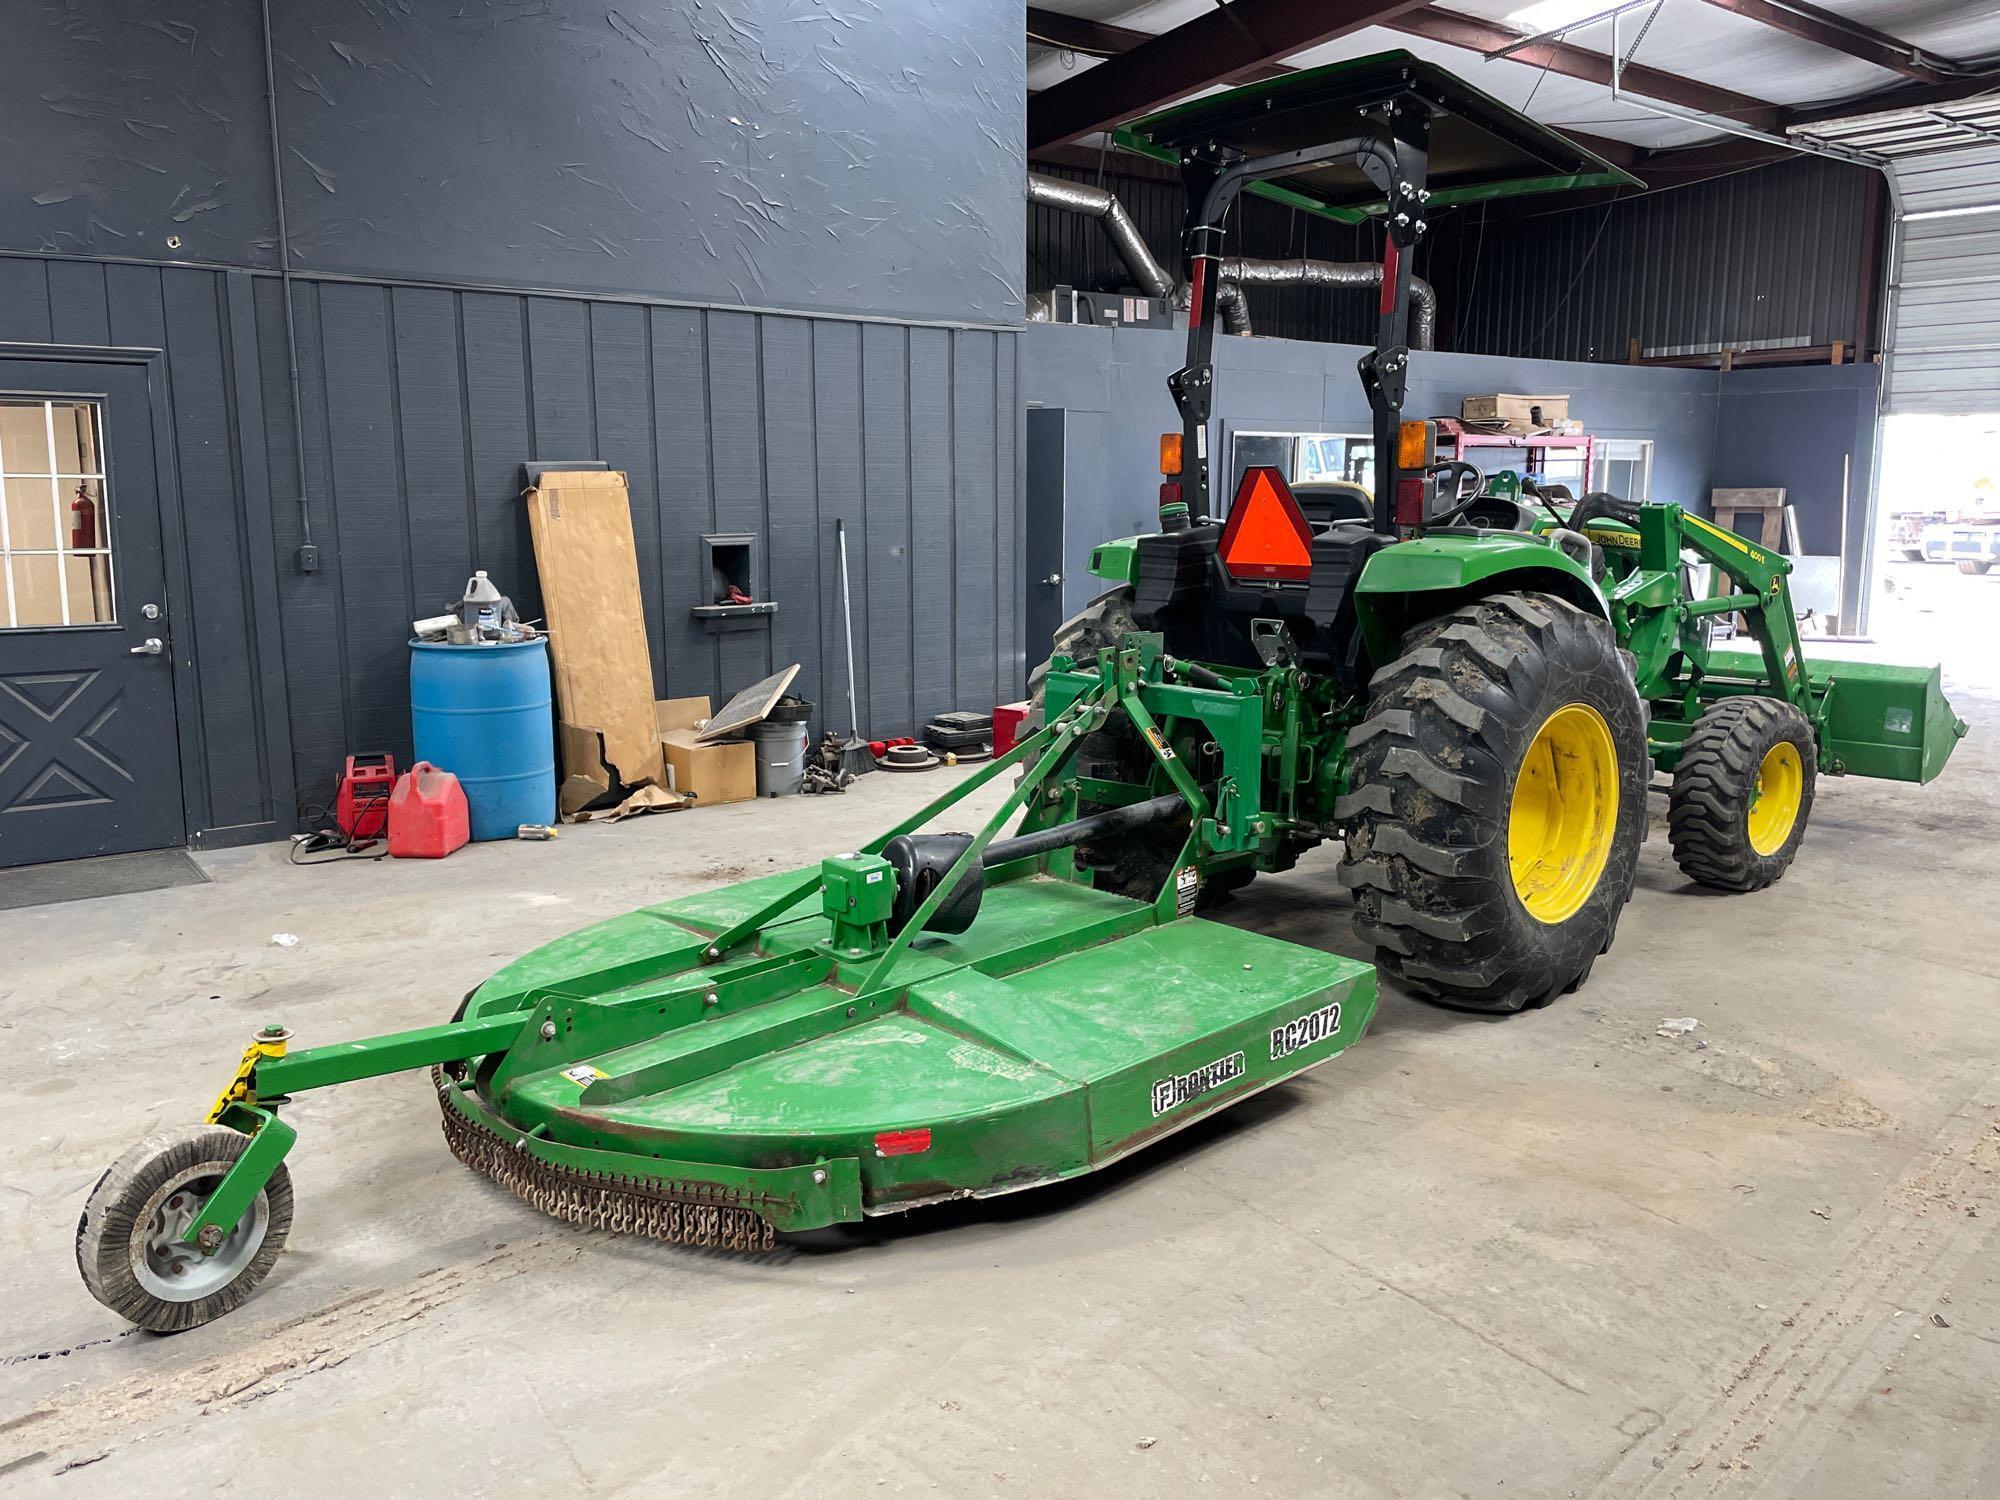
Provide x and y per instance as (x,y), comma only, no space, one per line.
(1882,720)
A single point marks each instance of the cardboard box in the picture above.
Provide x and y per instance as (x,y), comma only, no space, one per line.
(1516,412)
(711,772)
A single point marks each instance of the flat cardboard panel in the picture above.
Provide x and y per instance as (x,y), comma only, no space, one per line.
(581,521)
(751,705)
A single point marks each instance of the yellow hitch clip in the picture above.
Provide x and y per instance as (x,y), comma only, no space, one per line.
(270,1042)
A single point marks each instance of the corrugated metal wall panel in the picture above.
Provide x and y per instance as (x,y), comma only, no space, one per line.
(1763,257)
(420,406)
(1944,341)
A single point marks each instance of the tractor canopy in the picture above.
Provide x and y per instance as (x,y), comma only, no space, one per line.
(1479,147)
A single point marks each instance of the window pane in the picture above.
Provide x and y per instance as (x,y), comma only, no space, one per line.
(37,596)
(89,589)
(24,438)
(31,515)
(77,451)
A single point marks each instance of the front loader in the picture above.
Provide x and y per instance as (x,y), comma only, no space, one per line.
(1471,692)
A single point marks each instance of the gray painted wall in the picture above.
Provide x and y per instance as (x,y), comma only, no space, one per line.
(860,156)
(537,230)
(421,404)
(1113,383)
(1809,429)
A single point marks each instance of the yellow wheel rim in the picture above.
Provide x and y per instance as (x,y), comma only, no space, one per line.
(1564,815)
(1774,802)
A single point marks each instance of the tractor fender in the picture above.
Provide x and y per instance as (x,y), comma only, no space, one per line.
(1411,581)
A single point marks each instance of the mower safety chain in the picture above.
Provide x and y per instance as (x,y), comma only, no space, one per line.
(700,1214)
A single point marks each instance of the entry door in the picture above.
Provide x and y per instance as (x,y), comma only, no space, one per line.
(1043,553)
(89,759)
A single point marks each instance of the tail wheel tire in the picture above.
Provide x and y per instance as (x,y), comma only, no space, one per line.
(1743,789)
(1498,803)
(129,1243)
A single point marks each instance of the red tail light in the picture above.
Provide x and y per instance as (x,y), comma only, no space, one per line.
(903,1142)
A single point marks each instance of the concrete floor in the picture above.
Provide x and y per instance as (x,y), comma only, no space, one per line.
(1551,1255)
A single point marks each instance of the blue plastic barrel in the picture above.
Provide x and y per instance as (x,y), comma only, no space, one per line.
(482,713)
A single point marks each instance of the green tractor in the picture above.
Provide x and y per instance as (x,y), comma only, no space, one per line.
(1471,689)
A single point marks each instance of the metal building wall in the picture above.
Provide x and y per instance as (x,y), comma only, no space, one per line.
(1943,344)
(1762,258)
(421,404)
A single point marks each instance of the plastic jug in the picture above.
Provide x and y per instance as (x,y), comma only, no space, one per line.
(481,611)
(428,816)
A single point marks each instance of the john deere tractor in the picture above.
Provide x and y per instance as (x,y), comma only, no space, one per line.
(1468,680)
(1470,688)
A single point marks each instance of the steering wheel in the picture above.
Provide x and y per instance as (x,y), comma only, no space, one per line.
(1463,499)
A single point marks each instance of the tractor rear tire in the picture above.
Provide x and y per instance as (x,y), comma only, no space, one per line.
(1743,789)
(1973,566)
(1102,622)
(1498,803)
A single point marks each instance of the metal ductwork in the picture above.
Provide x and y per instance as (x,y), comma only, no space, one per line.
(1231,305)
(1318,273)
(1102,205)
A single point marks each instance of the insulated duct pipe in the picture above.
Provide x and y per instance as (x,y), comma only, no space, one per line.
(1231,305)
(1316,273)
(1102,205)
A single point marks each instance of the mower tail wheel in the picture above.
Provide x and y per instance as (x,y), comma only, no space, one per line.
(129,1243)
(1743,789)
(1498,803)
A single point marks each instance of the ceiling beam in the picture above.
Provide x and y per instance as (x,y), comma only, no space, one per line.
(1572,61)
(1217,45)
(1910,96)
(1102,39)
(1837,34)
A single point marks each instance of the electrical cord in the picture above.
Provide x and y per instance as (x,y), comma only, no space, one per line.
(328,837)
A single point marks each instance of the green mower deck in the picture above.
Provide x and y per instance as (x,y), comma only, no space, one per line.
(1018,1053)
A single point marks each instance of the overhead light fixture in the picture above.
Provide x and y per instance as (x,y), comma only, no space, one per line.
(1552,15)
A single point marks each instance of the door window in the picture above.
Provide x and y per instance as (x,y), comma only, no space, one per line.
(55,529)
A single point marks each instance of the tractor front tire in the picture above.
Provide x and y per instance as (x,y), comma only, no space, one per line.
(1743,789)
(1498,803)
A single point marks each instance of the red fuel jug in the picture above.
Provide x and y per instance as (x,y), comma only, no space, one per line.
(428,817)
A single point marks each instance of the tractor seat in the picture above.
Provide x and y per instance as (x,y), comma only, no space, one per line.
(1332,502)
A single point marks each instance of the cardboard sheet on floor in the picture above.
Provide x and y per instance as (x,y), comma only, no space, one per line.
(581,521)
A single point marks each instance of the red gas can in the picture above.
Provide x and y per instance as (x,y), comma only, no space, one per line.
(428,817)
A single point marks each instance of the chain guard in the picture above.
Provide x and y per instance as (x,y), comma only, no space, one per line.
(701,1214)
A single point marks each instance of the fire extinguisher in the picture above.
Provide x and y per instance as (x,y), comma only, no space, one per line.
(82,521)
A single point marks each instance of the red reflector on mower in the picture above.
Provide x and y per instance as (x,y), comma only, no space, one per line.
(903,1142)
(1267,535)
